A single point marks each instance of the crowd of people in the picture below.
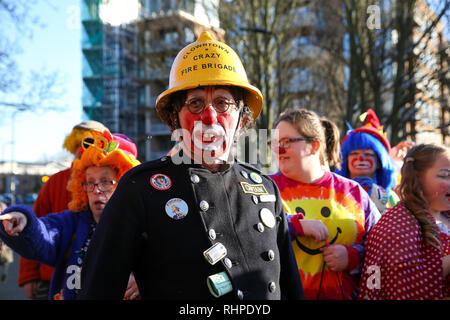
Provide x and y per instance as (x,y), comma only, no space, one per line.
(361,220)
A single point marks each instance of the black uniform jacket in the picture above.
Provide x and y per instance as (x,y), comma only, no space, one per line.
(164,216)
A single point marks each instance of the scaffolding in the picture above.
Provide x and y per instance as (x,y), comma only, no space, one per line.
(109,71)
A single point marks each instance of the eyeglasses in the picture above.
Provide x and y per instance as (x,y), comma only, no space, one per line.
(286,142)
(87,142)
(197,105)
(103,186)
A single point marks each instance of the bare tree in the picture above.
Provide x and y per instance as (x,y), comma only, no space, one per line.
(263,31)
(19,90)
(392,64)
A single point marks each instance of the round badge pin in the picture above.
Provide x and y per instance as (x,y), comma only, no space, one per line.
(256,178)
(244,174)
(177,208)
(267,218)
(160,181)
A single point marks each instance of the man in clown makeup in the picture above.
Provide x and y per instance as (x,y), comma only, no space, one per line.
(365,156)
(60,240)
(229,237)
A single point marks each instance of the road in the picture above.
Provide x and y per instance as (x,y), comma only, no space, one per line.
(9,290)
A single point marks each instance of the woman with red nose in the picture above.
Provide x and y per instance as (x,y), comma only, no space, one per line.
(365,159)
(61,240)
(408,250)
(329,216)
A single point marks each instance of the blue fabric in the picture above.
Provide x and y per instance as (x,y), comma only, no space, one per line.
(48,239)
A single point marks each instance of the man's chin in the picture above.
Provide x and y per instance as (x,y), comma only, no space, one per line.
(209,155)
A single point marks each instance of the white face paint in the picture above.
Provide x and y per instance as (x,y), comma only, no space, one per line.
(208,137)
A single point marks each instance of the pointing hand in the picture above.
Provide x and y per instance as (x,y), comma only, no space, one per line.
(13,222)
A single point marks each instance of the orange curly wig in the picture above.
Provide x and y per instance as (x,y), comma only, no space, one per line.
(118,160)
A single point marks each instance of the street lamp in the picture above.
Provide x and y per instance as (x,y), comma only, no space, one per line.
(13,177)
(277,40)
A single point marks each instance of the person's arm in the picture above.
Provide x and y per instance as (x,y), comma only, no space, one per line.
(29,270)
(371,217)
(33,238)
(446,265)
(370,282)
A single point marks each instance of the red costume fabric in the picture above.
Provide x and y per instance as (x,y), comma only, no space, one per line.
(398,265)
(52,198)
(445,240)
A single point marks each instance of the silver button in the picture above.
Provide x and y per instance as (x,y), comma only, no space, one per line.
(204,205)
(212,234)
(228,263)
(195,178)
(271,255)
(272,287)
(260,227)
(163,158)
(240,295)
(244,174)
(255,199)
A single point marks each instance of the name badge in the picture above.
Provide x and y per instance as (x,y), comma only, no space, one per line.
(253,188)
(216,253)
(267,198)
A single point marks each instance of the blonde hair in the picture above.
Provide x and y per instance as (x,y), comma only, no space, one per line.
(73,140)
(417,161)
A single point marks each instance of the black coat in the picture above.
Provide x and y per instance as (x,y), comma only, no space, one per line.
(136,234)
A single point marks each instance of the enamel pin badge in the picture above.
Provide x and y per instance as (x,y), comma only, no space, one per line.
(256,178)
(177,208)
(160,181)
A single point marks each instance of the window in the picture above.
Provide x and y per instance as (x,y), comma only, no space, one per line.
(155,6)
(171,36)
(188,35)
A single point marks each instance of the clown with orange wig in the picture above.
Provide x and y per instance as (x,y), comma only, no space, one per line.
(61,240)
(35,277)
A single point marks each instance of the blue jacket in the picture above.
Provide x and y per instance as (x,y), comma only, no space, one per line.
(55,240)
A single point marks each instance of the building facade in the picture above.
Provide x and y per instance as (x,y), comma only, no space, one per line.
(431,121)
(23,178)
(126,67)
